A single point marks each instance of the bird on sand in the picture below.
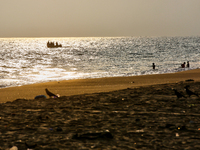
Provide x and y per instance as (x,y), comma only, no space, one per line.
(29,146)
(178,94)
(50,94)
(190,92)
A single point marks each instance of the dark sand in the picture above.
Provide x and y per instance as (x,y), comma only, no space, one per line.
(147,117)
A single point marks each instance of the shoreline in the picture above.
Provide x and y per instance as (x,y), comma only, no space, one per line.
(96,85)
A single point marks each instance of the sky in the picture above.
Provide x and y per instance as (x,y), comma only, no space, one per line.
(99,18)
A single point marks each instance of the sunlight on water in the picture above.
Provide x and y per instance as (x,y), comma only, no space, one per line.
(28,60)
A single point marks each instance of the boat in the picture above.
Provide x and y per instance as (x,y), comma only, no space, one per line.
(52,45)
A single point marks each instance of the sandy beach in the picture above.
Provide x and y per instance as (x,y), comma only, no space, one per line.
(82,86)
(140,112)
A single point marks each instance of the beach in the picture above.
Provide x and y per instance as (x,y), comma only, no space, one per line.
(136,112)
(83,86)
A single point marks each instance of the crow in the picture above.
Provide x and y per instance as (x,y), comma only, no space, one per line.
(179,95)
(50,94)
(190,92)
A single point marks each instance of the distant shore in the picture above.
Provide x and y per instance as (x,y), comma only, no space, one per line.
(82,86)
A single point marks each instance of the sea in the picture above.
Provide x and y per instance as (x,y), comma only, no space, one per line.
(28,60)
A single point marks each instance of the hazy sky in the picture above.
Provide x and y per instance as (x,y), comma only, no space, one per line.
(99,18)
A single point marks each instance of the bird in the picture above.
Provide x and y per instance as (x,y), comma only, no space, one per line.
(30,146)
(190,92)
(50,94)
(178,94)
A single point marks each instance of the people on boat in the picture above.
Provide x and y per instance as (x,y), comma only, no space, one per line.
(51,44)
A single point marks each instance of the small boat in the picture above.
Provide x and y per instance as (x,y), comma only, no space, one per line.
(52,45)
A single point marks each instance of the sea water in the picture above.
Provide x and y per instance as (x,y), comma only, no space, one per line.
(28,60)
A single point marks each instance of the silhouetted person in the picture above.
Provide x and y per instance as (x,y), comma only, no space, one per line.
(183,65)
(188,65)
(179,95)
(154,66)
(48,43)
(50,94)
(190,92)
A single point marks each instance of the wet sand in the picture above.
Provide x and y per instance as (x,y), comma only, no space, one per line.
(110,113)
(82,86)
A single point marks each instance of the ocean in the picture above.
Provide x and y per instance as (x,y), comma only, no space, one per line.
(28,60)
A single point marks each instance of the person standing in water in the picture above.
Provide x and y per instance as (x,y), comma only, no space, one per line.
(183,65)
(188,65)
(154,66)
